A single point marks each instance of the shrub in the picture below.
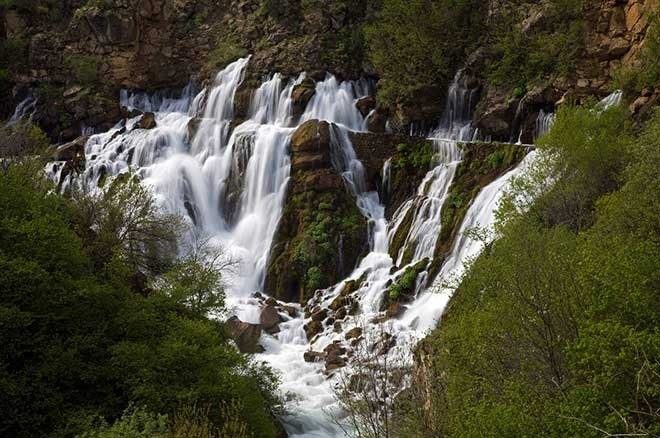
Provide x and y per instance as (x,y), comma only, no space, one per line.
(85,68)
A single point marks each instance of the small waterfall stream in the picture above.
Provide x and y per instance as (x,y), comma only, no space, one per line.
(231,184)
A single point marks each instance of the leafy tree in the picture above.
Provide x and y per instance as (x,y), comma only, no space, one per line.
(81,344)
(554,329)
(416,44)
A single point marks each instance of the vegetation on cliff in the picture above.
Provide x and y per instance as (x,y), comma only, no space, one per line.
(554,330)
(417,44)
(99,322)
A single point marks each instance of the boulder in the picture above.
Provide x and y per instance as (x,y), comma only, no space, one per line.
(72,151)
(245,335)
(313,356)
(319,314)
(313,328)
(334,357)
(270,319)
(354,333)
(301,95)
(147,121)
(312,136)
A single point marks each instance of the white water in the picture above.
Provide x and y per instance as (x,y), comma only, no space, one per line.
(232,183)
(24,109)
(544,122)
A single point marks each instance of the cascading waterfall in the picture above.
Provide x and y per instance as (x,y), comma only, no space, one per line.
(544,122)
(23,110)
(231,184)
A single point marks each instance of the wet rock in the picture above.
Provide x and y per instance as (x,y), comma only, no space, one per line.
(193,126)
(301,95)
(313,356)
(319,314)
(340,301)
(365,105)
(290,310)
(245,335)
(337,327)
(147,121)
(354,333)
(270,319)
(311,136)
(73,151)
(313,328)
(334,357)
(341,313)
(377,121)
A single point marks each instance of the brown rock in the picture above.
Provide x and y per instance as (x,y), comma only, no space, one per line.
(244,334)
(354,333)
(311,136)
(147,121)
(301,95)
(365,105)
(313,328)
(319,314)
(270,319)
(72,151)
(313,356)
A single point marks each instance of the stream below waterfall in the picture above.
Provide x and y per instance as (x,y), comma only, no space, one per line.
(230,181)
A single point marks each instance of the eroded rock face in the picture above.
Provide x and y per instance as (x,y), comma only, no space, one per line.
(615,33)
(321,233)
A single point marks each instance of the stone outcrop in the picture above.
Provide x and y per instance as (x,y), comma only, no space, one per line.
(615,32)
(321,233)
(245,335)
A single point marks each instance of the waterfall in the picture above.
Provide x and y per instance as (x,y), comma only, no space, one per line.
(544,122)
(23,110)
(614,99)
(230,182)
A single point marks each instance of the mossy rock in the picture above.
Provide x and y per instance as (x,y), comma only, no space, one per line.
(482,164)
(322,233)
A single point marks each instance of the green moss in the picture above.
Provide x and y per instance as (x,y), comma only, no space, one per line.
(228,49)
(482,163)
(404,286)
(317,230)
(85,68)
(420,155)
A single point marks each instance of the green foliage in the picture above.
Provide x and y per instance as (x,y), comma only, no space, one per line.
(227,50)
(134,423)
(22,138)
(553,330)
(85,68)
(405,285)
(549,48)
(415,156)
(83,340)
(417,44)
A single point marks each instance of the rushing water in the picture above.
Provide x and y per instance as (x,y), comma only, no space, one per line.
(231,184)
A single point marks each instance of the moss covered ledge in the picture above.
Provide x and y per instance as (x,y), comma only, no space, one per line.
(482,164)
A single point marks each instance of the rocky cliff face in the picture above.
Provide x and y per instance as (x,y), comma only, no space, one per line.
(614,34)
(77,54)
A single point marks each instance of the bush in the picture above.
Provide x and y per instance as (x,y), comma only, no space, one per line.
(82,340)
(521,58)
(84,68)
(417,44)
